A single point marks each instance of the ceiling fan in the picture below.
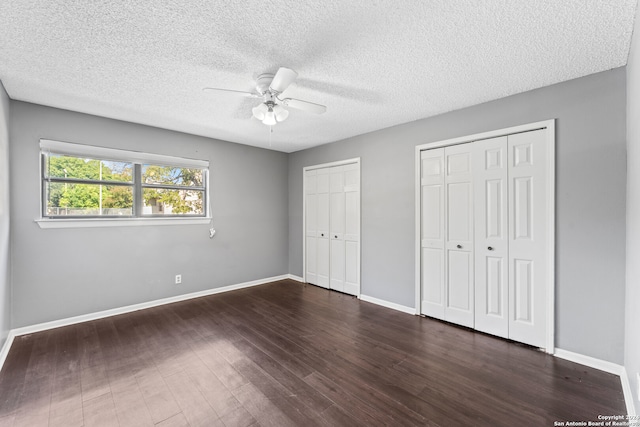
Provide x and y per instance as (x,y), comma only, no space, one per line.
(269,87)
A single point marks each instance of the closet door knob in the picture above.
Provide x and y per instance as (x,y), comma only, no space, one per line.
(336,237)
(459,246)
(490,248)
(321,234)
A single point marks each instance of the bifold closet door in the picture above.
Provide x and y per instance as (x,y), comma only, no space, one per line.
(432,240)
(459,302)
(491,236)
(332,204)
(351,232)
(337,222)
(447,234)
(311,226)
(528,237)
(323,200)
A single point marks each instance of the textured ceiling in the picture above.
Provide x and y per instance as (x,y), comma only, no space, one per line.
(374,63)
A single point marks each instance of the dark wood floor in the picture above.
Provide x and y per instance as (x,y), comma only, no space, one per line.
(287,354)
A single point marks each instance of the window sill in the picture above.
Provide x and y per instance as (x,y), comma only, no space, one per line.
(117,222)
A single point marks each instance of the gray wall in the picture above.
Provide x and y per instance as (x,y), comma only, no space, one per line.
(58,273)
(5,265)
(632,321)
(590,205)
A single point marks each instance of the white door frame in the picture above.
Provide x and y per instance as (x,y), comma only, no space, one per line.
(355,160)
(549,125)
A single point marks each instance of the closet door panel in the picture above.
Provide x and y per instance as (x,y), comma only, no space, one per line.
(459,306)
(322,233)
(311,226)
(352,228)
(528,237)
(432,259)
(491,236)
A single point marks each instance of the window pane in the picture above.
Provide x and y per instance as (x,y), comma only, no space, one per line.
(172,202)
(171,175)
(61,166)
(67,199)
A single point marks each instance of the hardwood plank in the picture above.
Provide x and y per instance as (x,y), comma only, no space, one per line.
(194,406)
(66,393)
(178,420)
(130,405)
(100,412)
(156,395)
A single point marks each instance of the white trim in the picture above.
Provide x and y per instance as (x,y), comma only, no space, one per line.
(602,365)
(387,304)
(551,248)
(135,307)
(5,348)
(332,164)
(118,222)
(296,278)
(355,160)
(628,395)
(418,232)
(60,147)
(486,135)
(546,124)
(592,362)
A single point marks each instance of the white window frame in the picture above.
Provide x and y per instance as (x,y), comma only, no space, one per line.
(81,150)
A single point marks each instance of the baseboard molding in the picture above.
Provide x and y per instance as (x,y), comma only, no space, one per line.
(391,305)
(628,396)
(126,309)
(296,278)
(603,365)
(5,348)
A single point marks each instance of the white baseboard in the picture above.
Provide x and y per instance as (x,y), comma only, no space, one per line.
(296,278)
(628,396)
(5,348)
(603,365)
(392,305)
(122,310)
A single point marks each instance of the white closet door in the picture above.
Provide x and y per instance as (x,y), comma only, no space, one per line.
(491,236)
(352,228)
(322,233)
(459,307)
(337,226)
(528,238)
(311,225)
(433,235)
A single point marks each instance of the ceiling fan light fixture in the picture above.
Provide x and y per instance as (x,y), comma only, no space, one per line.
(269,118)
(281,113)
(260,111)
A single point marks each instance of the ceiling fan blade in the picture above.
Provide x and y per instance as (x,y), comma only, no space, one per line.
(234,92)
(304,105)
(283,78)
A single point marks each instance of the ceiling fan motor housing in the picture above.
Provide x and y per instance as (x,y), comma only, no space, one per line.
(263,82)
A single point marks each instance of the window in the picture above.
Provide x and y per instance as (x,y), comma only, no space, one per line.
(84,182)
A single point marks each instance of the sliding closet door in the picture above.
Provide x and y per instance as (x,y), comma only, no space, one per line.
(528,237)
(432,237)
(491,236)
(459,302)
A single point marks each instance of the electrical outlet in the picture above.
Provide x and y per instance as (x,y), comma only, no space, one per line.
(638,382)
(178,279)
